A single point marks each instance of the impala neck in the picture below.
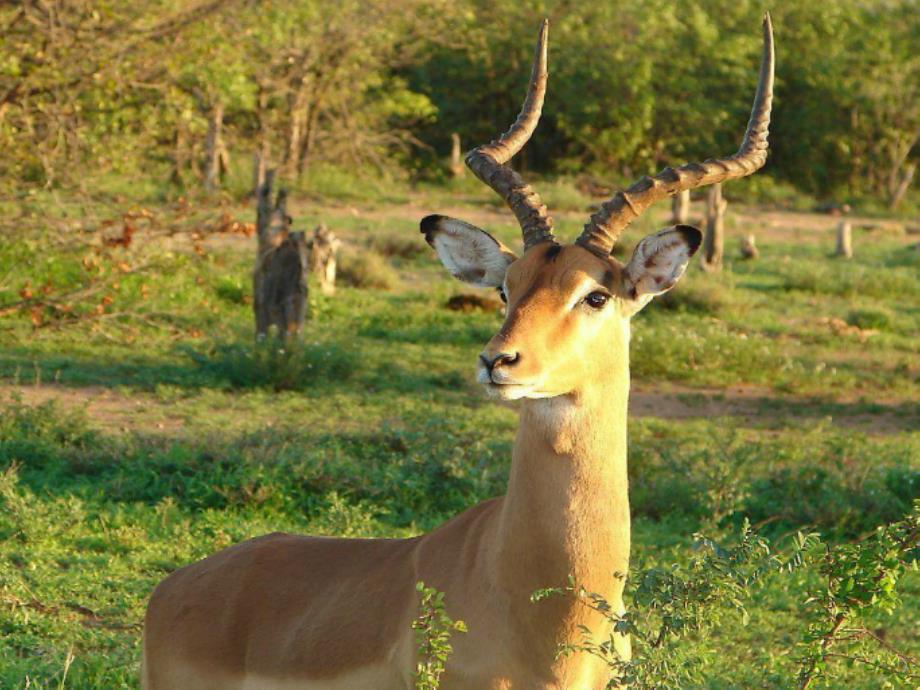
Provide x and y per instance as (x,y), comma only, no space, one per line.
(567,507)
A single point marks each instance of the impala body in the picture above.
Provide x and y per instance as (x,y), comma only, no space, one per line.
(284,612)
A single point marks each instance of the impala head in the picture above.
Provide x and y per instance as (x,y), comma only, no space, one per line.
(569,305)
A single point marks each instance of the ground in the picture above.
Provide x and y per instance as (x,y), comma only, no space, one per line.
(142,429)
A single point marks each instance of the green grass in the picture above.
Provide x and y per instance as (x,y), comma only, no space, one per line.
(374,427)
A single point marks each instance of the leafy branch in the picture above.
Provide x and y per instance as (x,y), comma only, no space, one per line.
(433,629)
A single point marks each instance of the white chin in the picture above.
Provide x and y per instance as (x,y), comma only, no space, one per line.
(511,391)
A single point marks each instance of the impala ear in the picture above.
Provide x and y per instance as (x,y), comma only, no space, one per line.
(658,262)
(470,254)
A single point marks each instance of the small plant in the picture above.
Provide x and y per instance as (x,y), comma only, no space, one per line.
(232,290)
(674,603)
(403,245)
(366,269)
(433,629)
(858,579)
(874,319)
(269,364)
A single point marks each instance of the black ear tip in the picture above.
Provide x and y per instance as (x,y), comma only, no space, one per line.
(430,223)
(692,236)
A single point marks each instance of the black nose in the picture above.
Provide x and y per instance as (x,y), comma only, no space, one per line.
(502,359)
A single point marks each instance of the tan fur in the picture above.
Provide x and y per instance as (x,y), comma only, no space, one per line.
(284,611)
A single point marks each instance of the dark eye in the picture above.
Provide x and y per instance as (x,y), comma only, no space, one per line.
(501,293)
(596,300)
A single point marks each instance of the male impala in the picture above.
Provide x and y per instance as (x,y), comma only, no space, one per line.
(285,611)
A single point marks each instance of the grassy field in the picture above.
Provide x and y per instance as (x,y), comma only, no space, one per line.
(142,429)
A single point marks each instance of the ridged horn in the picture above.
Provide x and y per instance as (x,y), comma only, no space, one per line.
(605,226)
(488,162)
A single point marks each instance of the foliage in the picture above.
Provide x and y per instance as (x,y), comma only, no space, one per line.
(366,269)
(855,580)
(433,629)
(670,605)
(268,363)
(103,86)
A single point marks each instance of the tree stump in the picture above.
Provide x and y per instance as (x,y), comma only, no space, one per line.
(714,238)
(680,208)
(457,169)
(323,247)
(279,281)
(749,247)
(844,240)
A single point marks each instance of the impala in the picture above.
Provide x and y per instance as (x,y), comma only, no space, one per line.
(285,611)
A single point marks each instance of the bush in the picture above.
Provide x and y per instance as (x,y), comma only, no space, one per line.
(404,245)
(870,319)
(366,269)
(269,364)
(698,296)
(233,291)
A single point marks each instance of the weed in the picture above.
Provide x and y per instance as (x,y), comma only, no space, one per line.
(366,269)
(270,364)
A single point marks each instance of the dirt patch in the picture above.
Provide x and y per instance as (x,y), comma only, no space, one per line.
(106,408)
(112,410)
(760,406)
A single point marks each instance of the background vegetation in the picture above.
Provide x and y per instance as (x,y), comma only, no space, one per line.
(142,87)
(141,428)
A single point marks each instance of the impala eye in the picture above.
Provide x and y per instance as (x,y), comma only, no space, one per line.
(501,293)
(596,300)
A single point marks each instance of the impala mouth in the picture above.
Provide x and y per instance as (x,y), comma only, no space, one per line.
(498,386)
(508,391)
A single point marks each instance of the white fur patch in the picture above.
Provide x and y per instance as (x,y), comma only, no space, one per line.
(658,262)
(469,253)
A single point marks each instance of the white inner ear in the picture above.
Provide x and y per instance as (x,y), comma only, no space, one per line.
(470,254)
(658,263)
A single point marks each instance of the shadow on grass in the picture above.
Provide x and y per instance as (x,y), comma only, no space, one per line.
(304,367)
(418,474)
(427,469)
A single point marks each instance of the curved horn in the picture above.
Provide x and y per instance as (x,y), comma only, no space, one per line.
(488,162)
(605,226)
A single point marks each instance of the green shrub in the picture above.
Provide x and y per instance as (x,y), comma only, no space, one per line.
(232,290)
(698,295)
(271,364)
(848,585)
(404,245)
(876,319)
(366,269)
(433,629)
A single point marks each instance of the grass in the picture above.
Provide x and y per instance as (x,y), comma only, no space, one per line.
(373,425)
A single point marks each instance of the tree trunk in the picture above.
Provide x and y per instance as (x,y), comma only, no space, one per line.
(844,240)
(680,208)
(213,149)
(180,153)
(902,185)
(279,281)
(260,157)
(714,240)
(296,129)
(309,140)
(457,169)
(259,171)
